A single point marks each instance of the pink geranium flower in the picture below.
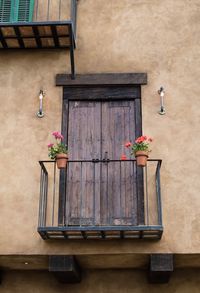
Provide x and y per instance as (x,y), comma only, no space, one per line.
(50,145)
(59,147)
(57,135)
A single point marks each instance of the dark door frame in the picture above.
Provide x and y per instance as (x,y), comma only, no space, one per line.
(105,87)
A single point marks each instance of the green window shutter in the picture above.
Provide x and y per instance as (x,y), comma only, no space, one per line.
(5,10)
(25,10)
(16,10)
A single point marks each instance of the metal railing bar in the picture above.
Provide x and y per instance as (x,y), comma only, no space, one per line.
(158,193)
(81,194)
(48,9)
(101,161)
(72,52)
(134,190)
(94,197)
(66,214)
(65,235)
(120,188)
(36,12)
(54,193)
(103,235)
(109,206)
(43,167)
(59,9)
(72,11)
(122,234)
(40,200)
(147,196)
(66,196)
(43,199)
(38,23)
(44,206)
(46,198)
(84,234)
(73,15)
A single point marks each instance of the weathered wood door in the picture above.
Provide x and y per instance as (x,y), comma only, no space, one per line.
(118,179)
(103,192)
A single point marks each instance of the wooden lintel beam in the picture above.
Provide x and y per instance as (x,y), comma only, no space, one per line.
(65,268)
(161,267)
(104,79)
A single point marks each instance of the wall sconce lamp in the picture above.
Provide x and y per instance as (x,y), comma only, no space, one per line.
(161,92)
(40,113)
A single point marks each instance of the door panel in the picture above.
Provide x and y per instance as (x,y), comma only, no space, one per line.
(84,144)
(118,196)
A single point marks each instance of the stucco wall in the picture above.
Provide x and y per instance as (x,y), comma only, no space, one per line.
(101,282)
(157,37)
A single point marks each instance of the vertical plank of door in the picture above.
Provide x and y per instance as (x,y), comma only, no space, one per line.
(73,178)
(130,171)
(106,180)
(139,170)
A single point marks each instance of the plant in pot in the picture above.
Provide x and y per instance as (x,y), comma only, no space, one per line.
(58,151)
(140,149)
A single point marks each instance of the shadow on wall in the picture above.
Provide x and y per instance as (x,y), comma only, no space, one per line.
(101,281)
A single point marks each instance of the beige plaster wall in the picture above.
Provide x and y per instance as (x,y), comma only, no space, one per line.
(157,37)
(108,281)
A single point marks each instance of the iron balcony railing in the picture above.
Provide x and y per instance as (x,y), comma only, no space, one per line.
(100,199)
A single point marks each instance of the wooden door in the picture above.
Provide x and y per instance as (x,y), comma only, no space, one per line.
(118,181)
(101,193)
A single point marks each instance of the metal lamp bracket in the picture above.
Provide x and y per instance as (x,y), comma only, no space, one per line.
(161,92)
(40,113)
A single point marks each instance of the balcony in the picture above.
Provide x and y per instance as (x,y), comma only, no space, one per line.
(100,199)
(38,24)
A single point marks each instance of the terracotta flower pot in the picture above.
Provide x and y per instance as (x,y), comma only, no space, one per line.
(141,158)
(61,161)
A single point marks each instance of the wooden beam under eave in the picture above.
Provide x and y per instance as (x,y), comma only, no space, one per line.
(65,268)
(104,79)
(160,269)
